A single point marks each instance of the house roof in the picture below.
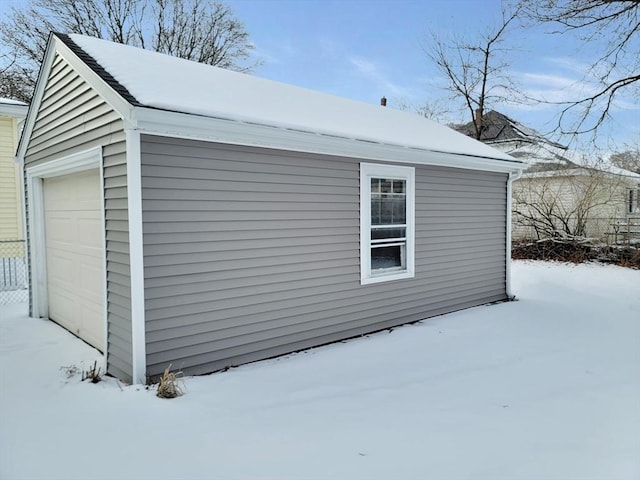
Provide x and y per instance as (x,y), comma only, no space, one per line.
(520,141)
(545,157)
(11,101)
(208,101)
(498,127)
(170,83)
(13,108)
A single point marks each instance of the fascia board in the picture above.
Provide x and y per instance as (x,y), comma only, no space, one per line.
(55,45)
(572,172)
(119,104)
(36,99)
(174,124)
(13,110)
(552,174)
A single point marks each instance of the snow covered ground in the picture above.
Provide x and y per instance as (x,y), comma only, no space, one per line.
(547,387)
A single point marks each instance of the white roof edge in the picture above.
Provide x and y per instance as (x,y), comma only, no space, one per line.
(579,171)
(11,101)
(56,45)
(36,100)
(14,110)
(233,132)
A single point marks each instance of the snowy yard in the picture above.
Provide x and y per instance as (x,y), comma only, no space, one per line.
(547,387)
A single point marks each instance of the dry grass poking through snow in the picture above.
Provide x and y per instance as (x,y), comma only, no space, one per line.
(169,385)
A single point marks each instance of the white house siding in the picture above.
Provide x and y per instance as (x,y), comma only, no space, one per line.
(250,253)
(73,118)
(608,197)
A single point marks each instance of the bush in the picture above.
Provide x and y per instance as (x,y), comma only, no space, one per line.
(577,251)
(554,249)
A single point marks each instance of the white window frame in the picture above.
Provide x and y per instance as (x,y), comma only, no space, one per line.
(375,170)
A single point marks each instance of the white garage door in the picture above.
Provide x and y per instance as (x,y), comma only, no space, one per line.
(75,270)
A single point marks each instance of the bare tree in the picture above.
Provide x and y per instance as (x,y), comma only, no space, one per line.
(628,159)
(199,30)
(435,110)
(568,205)
(475,69)
(611,29)
(12,79)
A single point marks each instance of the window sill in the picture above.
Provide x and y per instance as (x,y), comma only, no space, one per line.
(386,277)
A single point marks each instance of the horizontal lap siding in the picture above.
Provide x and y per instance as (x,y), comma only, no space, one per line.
(73,118)
(10,211)
(251,253)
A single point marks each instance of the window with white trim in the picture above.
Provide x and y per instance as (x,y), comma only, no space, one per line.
(387,218)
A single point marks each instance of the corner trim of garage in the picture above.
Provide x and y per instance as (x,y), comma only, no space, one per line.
(136,259)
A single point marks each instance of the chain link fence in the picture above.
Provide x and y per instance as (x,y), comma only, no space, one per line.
(13,272)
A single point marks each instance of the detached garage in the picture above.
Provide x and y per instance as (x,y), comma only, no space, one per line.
(187,215)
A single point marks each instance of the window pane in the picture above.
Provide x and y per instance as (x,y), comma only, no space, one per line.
(376,203)
(399,211)
(386,257)
(386,212)
(382,233)
(388,201)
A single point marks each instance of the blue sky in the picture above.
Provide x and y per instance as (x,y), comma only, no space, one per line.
(366,49)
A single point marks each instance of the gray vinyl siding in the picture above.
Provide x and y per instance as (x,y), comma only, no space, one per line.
(251,253)
(73,118)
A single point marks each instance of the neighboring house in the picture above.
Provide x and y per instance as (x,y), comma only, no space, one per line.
(12,261)
(558,194)
(181,214)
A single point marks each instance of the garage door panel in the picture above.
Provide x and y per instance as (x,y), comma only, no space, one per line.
(89,233)
(90,272)
(75,258)
(60,268)
(85,190)
(62,308)
(74,195)
(88,313)
(60,230)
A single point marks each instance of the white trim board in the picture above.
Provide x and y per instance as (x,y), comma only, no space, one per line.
(512,178)
(377,170)
(78,162)
(233,132)
(57,46)
(136,257)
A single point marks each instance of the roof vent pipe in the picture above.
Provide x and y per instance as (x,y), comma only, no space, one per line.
(383,101)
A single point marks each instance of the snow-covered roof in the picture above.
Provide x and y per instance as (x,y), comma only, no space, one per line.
(520,141)
(539,155)
(11,101)
(615,170)
(13,108)
(151,79)
(530,146)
